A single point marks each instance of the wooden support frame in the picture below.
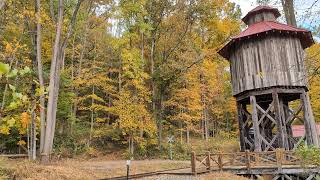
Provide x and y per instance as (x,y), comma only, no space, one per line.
(256,128)
(281,163)
(267,125)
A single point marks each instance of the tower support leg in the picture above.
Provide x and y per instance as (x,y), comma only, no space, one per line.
(309,122)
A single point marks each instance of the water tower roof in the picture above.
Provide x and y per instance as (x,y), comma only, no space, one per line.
(265,28)
(260,9)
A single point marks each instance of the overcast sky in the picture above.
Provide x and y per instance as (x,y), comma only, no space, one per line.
(302,8)
(245,5)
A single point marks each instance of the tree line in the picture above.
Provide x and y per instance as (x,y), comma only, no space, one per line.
(79,75)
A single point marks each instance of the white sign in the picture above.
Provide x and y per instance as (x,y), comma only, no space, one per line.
(171,139)
(128,162)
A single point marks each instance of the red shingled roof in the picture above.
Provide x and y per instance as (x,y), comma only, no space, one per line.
(259,9)
(299,131)
(267,26)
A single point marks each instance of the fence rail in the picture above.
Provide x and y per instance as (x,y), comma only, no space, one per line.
(14,155)
(243,160)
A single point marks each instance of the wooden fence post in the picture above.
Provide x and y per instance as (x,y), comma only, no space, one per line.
(193,163)
(279,157)
(208,161)
(248,160)
(220,161)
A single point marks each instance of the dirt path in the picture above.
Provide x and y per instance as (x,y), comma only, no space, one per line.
(118,168)
(98,169)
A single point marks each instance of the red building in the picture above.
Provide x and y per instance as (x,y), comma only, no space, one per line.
(299,130)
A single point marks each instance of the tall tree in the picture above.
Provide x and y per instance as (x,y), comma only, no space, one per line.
(288,8)
(40,74)
(57,59)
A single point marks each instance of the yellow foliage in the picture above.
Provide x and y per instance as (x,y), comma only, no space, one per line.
(4,130)
(25,120)
(313,65)
(21,142)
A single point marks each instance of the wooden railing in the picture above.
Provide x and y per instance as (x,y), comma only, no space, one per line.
(243,160)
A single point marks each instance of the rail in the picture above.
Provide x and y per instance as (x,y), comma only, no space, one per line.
(14,155)
(277,159)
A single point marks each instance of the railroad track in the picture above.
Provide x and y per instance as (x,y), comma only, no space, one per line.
(155,173)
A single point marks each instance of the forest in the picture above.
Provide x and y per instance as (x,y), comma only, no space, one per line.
(99,76)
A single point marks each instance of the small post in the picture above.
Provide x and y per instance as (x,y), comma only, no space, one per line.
(128,168)
(257,159)
(248,160)
(279,156)
(193,163)
(233,158)
(170,141)
(220,161)
(208,161)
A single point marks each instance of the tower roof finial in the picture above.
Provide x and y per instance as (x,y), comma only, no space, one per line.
(260,9)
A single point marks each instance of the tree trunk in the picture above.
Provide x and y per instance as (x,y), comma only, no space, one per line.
(288,8)
(92,117)
(153,41)
(83,48)
(206,124)
(132,146)
(160,125)
(188,135)
(58,55)
(51,7)
(52,87)
(40,76)
(72,113)
(33,134)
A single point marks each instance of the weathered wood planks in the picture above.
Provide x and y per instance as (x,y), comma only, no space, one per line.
(268,61)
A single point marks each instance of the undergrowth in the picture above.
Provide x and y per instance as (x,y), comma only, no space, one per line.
(4,171)
(309,155)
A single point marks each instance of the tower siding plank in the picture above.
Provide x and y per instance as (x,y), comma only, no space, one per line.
(274,60)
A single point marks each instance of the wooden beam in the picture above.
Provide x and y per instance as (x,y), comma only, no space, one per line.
(208,161)
(285,90)
(193,163)
(14,155)
(257,139)
(310,125)
(241,127)
(284,124)
(277,111)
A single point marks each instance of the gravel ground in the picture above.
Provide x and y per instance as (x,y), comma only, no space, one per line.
(170,177)
(212,176)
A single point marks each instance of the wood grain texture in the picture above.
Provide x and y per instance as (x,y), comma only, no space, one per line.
(263,16)
(268,61)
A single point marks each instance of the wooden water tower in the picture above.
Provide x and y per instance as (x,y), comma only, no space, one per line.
(268,72)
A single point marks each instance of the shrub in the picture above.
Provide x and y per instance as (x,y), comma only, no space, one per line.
(309,155)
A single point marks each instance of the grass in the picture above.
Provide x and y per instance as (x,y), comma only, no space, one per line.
(4,171)
(110,166)
(81,169)
(92,169)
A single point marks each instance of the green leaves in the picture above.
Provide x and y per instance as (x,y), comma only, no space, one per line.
(12,73)
(4,69)
(25,70)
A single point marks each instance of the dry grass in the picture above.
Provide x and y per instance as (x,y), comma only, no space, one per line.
(222,176)
(95,169)
(218,144)
(31,170)
(118,168)
(76,169)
